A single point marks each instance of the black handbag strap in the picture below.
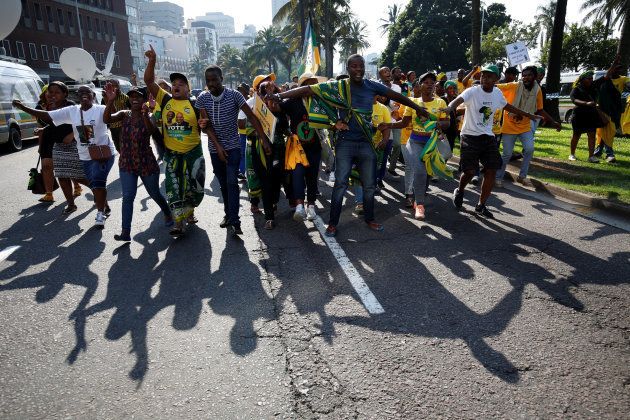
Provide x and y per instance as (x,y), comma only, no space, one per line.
(38,160)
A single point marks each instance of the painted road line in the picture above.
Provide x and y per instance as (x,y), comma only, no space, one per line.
(365,294)
(4,254)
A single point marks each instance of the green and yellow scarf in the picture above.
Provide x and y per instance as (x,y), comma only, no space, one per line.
(430,155)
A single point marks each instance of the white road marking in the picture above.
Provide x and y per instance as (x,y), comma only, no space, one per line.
(365,294)
(5,253)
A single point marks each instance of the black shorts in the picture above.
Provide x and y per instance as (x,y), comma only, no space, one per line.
(475,149)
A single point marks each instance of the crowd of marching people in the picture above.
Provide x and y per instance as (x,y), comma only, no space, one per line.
(357,128)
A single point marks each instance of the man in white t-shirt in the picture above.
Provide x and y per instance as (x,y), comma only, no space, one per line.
(478,143)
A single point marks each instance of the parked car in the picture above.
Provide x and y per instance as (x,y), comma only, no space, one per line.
(17,81)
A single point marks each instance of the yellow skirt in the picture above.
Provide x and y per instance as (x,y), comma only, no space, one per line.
(625,119)
(606,134)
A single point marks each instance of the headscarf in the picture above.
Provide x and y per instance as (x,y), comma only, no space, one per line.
(449,83)
(586,74)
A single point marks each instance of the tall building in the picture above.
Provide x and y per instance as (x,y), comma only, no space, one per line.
(48,27)
(249,30)
(223,24)
(207,39)
(165,14)
(276,5)
(134,26)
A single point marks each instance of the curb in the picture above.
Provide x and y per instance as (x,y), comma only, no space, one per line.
(563,193)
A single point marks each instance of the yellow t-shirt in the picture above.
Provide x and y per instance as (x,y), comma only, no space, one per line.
(496,122)
(462,87)
(179,122)
(433,107)
(513,124)
(620,82)
(380,114)
(405,132)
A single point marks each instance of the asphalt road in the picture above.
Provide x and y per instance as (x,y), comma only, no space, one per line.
(524,316)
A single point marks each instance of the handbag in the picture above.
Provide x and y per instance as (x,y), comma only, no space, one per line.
(36,180)
(99,153)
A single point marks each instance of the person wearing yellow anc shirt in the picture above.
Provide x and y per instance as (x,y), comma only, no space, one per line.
(419,136)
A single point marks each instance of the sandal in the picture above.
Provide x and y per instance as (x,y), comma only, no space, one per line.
(377,227)
(70,209)
(409,202)
(269,224)
(47,198)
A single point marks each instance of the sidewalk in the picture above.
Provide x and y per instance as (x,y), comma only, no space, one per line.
(560,192)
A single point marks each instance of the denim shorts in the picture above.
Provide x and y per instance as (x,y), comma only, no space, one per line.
(96,172)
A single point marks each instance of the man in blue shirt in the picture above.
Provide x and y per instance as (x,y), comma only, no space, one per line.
(352,143)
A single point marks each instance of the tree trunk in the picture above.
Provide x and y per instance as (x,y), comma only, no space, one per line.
(476,32)
(329,45)
(555,56)
(623,49)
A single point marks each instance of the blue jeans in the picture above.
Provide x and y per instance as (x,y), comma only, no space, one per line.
(380,171)
(527,139)
(96,172)
(305,179)
(129,183)
(395,150)
(227,174)
(346,153)
(242,138)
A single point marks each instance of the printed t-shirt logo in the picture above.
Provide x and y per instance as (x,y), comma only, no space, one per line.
(486,112)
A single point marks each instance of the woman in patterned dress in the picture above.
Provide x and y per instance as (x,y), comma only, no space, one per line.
(136,156)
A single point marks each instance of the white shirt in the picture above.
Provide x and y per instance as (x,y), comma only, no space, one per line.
(250,102)
(92,131)
(480,109)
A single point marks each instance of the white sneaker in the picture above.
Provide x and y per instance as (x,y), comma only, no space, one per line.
(611,159)
(593,159)
(572,157)
(310,213)
(100,220)
(331,177)
(299,214)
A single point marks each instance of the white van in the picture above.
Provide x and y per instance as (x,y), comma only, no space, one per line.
(17,81)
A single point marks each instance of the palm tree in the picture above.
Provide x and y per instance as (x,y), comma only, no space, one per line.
(329,19)
(613,12)
(197,67)
(392,15)
(555,55)
(476,32)
(544,20)
(268,47)
(354,40)
(206,49)
(230,61)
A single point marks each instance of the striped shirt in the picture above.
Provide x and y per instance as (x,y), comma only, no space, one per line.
(223,113)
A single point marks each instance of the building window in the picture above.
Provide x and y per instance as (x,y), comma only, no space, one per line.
(60,17)
(55,54)
(132,11)
(50,15)
(93,55)
(101,58)
(45,53)
(113,29)
(38,11)
(19,46)
(117,61)
(105,30)
(7,46)
(70,20)
(32,49)
(89,23)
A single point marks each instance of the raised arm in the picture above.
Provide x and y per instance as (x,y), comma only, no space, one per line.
(109,116)
(454,104)
(466,79)
(514,110)
(401,99)
(149,72)
(37,113)
(300,92)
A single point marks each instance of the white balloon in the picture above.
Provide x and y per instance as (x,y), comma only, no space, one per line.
(10,16)
(78,64)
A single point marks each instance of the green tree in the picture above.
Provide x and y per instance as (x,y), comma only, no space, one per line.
(555,55)
(614,13)
(587,47)
(494,42)
(495,15)
(354,40)
(544,20)
(392,14)
(197,67)
(231,62)
(268,48)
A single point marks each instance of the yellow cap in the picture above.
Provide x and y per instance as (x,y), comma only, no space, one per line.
(259,79)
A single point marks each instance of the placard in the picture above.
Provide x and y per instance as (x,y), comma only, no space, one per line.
(517,53)
(266,117)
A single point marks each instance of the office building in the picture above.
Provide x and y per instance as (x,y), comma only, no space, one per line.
(163,14)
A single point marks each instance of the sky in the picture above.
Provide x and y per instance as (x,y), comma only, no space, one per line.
(258,13)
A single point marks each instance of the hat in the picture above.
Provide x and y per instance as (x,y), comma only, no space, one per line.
(178,76)
(258,79)
(541,70)
(166,82)
(426,75)
(449,83)
(441,76)
(512,70)
(243,85)
(491,68)
(139,91)
(306,76)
